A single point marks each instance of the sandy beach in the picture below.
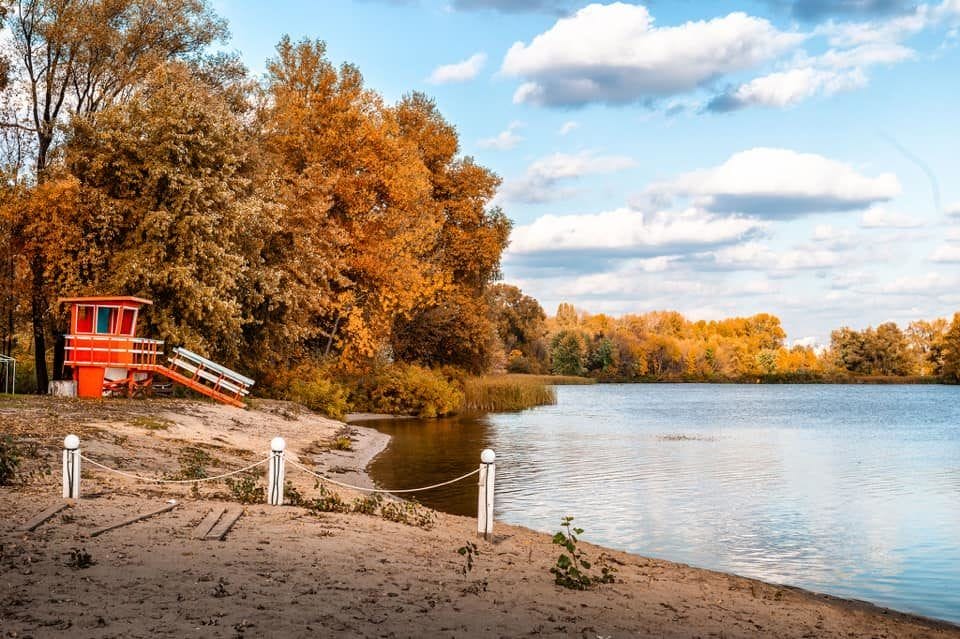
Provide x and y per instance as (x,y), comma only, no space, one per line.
(290,572)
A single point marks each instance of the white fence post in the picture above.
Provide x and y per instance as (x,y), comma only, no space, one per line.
(487,476)
(275,472)
(71,467)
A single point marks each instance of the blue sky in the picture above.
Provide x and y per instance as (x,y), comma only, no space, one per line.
(796,157)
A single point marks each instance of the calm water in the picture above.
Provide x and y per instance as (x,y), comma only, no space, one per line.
(850,490)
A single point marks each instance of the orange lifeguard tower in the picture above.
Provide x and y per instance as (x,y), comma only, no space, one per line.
(107,357)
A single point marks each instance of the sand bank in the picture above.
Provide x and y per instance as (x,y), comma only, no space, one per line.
(288,572)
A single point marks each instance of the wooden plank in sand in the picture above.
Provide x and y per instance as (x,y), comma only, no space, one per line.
(133,520)
(223,526)
(34,523)
(208,522)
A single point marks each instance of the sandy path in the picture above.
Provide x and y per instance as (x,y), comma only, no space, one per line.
(287,572)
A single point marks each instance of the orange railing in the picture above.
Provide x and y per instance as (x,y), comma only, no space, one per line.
(109,350)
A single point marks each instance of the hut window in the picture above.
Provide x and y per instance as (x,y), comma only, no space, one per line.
(84,319)
(127,321)
(106,319)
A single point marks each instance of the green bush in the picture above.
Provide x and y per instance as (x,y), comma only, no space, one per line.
(408,389)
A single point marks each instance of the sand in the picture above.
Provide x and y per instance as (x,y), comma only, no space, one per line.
(288,572)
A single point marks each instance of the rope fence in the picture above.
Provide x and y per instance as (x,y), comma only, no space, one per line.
(276,472)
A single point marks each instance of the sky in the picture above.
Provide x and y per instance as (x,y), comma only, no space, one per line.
(795,157)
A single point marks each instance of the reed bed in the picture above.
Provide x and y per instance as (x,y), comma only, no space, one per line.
(499,393)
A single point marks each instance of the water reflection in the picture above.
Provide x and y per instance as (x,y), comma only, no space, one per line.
(847,490)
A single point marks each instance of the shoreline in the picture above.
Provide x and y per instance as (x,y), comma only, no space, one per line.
(293,572)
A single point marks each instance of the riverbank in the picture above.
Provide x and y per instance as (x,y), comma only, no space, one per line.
(291,572)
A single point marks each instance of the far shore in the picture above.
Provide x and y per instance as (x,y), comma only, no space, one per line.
(287,571)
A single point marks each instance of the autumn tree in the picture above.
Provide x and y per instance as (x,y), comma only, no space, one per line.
(74,57)
(950,372)
(519,318)
(466,252)
(166,210)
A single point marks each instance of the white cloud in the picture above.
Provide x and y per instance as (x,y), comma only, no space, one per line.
(543,178)
(780,183)
(628,232)
(757,256)
(881,218)
(505,140)
(459,71)
(614,54)
(952,210)
(568,126)
(788,88)
(931,283)
(946,253)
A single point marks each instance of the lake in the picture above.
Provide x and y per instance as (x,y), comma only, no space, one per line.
(849,490)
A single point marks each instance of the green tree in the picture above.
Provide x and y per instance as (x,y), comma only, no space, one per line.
(566,353)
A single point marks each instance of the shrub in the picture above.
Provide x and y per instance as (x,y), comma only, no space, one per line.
(10,456)
(314,386)
(408,389)
(367,505)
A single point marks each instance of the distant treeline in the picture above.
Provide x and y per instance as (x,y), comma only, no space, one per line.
(665,346)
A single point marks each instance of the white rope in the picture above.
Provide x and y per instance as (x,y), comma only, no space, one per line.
(379,490)
(152,480)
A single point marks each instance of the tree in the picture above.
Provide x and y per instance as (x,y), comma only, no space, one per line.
(74,57)
(566,353)
(951,352)
(519,318)
(167,210)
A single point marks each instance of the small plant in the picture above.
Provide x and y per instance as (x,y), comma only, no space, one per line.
(10,456)
(469,552)
(192,462)
(247,489)
(342,443)
(571,569)
(79,558)
(367,505)
(328,502)
(151,423)
(294,496)
(410,513)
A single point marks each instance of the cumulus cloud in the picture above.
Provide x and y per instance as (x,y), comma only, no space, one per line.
(614,54)
(881,218)
(780,184)
(544,178)
(459,71)
(505,140)
(787,88)
(624,233)
(568,127)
